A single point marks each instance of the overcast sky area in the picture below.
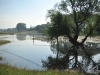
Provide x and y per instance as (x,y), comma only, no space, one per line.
(31,12)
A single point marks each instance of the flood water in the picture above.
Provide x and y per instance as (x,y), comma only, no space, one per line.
(21,48)
(24,52)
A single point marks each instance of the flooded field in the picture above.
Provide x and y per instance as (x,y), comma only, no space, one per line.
(24,52)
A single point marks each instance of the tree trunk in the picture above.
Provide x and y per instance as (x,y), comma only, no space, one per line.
(57,48)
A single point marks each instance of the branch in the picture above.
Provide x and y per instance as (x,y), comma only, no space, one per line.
(88,35)
(77,26)
(71,59)
(73,29)
(81,67)
(88,55)
(85,16)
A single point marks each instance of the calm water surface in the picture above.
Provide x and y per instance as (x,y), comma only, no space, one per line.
(25,47)
(24,52)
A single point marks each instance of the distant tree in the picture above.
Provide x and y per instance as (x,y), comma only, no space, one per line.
(31,28)
(40,28)
(72,17)
(21,27)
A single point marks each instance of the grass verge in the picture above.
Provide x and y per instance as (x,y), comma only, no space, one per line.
(4,33)
(2,42)
(8,70)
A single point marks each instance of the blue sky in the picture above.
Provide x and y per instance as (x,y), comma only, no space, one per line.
(31,12)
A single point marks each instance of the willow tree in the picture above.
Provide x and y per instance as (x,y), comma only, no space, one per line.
(72,17)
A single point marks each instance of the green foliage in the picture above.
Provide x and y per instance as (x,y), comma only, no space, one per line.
(4,33)
(60,24)
(1,58)
(73,18)
(45,31)
(40,28)
(21,27)
(90,25)
(2,42)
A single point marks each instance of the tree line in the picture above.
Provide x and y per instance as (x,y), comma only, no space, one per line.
(40,28)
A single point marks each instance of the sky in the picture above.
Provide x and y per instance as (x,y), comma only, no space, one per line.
(31,12)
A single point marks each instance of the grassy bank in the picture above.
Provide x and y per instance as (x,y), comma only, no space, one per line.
(4,33)
(8,70)
(2,42)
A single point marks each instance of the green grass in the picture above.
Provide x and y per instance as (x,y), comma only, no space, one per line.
(2,42)
(8,70)
(5,33)
(1,58)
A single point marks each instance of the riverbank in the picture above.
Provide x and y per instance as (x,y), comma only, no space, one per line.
(2,42)
(8,70)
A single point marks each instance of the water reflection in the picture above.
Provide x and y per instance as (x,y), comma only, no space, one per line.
(21,37)
(72,57)
(13,52)
(69,56)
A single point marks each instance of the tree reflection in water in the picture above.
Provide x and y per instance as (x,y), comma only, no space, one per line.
(21,37)
(72,57)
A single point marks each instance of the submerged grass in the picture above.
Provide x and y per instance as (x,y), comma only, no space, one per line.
(8,70)
(1,58)
(5,33)
(2,42)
